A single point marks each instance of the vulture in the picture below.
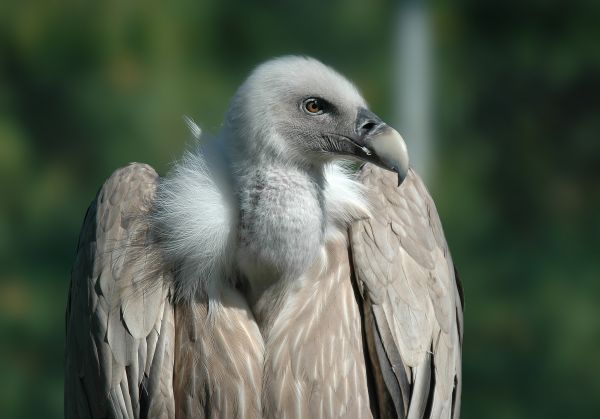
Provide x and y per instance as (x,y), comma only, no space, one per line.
(293,266)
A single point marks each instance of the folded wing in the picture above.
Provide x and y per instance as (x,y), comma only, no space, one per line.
(119,320)
(412,299)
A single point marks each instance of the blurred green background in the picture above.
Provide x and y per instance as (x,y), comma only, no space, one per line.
(86,87)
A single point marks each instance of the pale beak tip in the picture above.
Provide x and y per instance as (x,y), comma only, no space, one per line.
(390,147)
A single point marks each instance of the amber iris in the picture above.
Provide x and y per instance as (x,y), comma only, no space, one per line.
(313,106)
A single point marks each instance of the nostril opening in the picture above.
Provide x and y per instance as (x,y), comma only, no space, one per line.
(368,126)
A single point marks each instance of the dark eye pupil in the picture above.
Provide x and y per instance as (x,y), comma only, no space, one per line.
(313,106)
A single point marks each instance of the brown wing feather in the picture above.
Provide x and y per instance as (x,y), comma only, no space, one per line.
(404,269)
(120,330)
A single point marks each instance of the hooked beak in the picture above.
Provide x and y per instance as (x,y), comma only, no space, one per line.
(380,144)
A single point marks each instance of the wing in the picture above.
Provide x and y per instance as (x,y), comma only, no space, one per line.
(412,299)
(120,326)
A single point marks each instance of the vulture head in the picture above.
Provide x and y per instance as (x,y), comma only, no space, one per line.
(299,110)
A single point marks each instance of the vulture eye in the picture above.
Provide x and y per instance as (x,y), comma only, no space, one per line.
(313,106)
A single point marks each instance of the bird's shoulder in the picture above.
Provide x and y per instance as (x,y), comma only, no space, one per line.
(119,315)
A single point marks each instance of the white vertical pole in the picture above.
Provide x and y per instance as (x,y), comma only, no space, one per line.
(413,83)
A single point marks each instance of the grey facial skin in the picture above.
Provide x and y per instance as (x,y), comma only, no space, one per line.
(342,130)
(374,141)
